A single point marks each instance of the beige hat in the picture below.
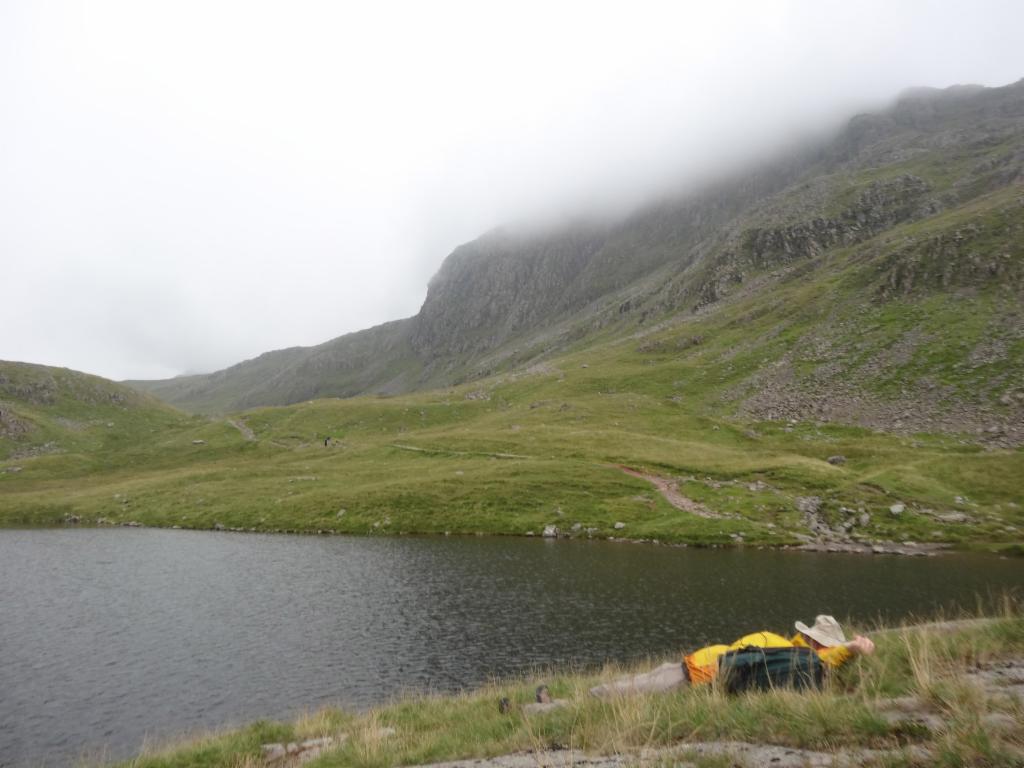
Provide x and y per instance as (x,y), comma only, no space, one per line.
(826,630)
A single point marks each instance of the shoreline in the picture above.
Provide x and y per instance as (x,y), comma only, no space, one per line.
(877,711)
(875,547)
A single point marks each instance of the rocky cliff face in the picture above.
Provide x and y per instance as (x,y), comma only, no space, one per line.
(923,198)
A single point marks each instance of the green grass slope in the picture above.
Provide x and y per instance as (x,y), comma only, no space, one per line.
(48,411)
(541,447)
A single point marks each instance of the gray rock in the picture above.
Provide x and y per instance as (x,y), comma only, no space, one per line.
(323,741)
(810,505)
(953,517)
(576,527)
(897,509)
(836,460)
(539,708)
(198,442)
(619,526)
(292,748)
(218,526)
(273,752)
(550,531)
(864,519)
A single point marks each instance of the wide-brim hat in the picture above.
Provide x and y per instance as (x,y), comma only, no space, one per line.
(826,630)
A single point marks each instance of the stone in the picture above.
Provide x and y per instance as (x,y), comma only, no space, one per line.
(864,519)
(198,442)
(576,527)
(218,526)
(619,526)
(897,509)
(836,460)
(292,748)
(540,708)
(953,517)
(323,741)
(808,504)
(550,532)
(273,752)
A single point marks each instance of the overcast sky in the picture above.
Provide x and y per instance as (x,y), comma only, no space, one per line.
(184,185)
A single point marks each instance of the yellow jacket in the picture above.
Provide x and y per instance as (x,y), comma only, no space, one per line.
(702,665)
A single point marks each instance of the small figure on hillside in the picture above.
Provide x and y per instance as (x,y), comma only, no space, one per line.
(327,441)
(825,638)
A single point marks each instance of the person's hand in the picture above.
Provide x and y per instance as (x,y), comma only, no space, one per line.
(861,645)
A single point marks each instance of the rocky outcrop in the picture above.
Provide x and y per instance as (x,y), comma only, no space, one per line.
(518,294)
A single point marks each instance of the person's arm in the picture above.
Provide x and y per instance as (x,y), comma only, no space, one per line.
(860,645)
(840,654)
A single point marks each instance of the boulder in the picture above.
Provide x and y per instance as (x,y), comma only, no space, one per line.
(836,460)
(619,526)
(550,531)
(897,509)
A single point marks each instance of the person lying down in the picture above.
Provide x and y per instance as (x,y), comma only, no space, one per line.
(751,658)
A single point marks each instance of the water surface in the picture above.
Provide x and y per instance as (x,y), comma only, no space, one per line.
(109,637)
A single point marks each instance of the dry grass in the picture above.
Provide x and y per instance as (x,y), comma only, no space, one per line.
(932,664)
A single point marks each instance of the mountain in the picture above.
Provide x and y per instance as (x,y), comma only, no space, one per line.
(880,278)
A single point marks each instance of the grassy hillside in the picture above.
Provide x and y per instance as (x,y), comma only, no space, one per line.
(48,411)
(541,447)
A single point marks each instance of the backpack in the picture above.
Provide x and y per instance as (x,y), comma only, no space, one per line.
(761,669)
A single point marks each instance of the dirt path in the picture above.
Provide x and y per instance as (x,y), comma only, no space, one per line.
(669,489)
(247,433)
(446,452)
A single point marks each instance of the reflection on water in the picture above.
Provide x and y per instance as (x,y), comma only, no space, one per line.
(110,636)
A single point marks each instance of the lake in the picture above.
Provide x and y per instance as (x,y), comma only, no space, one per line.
(109,637)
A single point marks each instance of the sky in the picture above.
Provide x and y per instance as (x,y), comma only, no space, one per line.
(184,185)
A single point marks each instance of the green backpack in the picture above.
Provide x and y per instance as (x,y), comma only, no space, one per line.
(761,669)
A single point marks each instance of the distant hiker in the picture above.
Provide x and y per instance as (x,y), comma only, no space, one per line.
(327,441)
(825,638)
